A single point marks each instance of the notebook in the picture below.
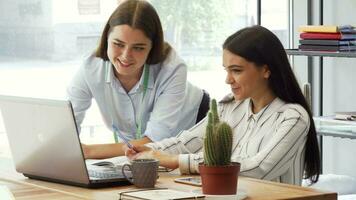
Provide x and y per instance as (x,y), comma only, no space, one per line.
(45,144)
(158,194)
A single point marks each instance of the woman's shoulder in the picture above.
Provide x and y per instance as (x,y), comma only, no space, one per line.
(92,62)
(169,68)
(172,62)
(229,101)
(294,110)
(93,68)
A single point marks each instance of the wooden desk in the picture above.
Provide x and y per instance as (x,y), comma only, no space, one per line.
(24,188)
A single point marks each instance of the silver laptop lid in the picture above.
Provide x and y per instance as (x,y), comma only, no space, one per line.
(43,138)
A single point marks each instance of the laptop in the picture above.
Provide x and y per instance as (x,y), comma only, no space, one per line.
(45,144)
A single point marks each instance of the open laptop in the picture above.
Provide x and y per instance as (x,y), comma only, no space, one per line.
(45,143)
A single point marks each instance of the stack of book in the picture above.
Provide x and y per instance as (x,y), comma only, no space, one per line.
(327,38)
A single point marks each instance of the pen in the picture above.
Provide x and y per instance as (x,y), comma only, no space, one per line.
(116,131)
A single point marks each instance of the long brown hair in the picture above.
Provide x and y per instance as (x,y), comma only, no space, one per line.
(259,45)
(140,15)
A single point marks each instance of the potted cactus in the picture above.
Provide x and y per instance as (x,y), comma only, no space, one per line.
(219,175)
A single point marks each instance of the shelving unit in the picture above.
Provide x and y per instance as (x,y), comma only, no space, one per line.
(328,126)
(297,52)
(321,130)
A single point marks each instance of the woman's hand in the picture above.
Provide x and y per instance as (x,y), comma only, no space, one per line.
(143,152)
(131,153)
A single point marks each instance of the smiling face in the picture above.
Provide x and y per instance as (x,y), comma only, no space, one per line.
(128,49)
(245,78)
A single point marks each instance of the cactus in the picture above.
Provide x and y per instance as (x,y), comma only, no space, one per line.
(218,139)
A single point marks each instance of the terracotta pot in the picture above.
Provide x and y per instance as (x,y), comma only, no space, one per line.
(219,180)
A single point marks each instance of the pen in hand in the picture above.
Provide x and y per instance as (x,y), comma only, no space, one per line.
(116,131)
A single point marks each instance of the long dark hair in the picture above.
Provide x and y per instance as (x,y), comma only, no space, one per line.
(260,46)
(140,15)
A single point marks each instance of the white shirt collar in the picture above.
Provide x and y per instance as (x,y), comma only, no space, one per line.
(109,77)
(265,112)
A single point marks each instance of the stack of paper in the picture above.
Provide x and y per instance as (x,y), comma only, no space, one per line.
(346,116)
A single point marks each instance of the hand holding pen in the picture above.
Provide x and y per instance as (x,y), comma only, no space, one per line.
(137,152)
(123,138)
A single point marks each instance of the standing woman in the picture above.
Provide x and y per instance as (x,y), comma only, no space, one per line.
(138,81)
(274,136)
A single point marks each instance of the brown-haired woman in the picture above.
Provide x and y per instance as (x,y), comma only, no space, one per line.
(138,81)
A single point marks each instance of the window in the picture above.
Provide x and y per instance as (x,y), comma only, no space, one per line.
(43,43)
(275,16)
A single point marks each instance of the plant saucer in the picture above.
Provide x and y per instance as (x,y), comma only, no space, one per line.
(241,194)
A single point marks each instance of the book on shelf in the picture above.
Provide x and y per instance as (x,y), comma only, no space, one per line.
(328,42)
(158,194)
(328,36)
(327,28)
(350,116)
(326,48)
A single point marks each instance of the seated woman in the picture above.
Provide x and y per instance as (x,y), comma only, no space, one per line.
(274,134)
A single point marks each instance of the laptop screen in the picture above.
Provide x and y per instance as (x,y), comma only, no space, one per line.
(43,138)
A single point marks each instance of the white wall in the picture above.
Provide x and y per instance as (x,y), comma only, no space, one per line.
(339,91)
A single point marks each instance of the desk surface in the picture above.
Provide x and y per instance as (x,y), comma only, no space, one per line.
(24,188)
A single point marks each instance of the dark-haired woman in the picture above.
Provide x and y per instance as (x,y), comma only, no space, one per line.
(138,81)
(274,133)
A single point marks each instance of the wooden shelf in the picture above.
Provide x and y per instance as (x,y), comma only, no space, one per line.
(297,52)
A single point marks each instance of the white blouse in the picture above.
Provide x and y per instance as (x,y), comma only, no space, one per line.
(269,145)
(169,106)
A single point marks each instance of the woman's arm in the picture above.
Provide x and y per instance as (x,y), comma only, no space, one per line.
(189,141)
(79,94)
(101,151)
(183,151)
(142,152)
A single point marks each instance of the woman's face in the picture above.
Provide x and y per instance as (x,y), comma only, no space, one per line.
(245,78)
(128,49)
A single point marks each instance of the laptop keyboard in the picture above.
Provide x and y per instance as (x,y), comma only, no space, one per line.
(104,174)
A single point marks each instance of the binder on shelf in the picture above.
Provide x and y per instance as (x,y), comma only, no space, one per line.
(326,48)
(327,29)
(328,42)
(328,36)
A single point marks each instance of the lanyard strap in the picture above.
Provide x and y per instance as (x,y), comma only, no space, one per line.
(109,97)
(145,86)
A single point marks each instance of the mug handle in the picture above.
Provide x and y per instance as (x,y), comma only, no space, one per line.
(123,172)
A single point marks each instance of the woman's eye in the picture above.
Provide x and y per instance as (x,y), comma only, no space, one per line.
(119,45)
(138,48)
(236,70)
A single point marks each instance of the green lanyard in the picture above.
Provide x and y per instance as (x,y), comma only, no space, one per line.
(110,101)
(145,86)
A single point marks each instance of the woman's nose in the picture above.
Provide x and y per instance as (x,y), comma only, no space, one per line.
(228,79)
(126,53)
